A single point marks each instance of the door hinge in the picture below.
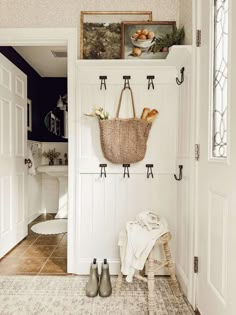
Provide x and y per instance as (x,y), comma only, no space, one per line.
(197,152)
(198,38)
(195,264)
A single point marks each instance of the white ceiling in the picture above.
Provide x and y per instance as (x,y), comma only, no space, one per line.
(43,61)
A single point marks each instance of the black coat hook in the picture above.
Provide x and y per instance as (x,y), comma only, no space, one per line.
(179,82)
(180,173)
(149,170)
(126,170)
(150,81)
(103,81)
(126,82)
(103,170)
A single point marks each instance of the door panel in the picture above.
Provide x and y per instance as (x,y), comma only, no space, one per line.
(216,186)
(5,188)
(20,127)
(13,100)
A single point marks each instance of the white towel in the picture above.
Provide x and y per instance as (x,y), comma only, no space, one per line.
(32,169)
(137,241)
(148,219)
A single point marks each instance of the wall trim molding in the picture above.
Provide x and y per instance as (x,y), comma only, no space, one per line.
(35,215)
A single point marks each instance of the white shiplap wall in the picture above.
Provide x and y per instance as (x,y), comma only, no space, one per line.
(105,205)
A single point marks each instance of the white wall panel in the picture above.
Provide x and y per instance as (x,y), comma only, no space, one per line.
(161,145)
(107,204)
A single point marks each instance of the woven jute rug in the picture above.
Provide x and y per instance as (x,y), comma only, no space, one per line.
(64,295)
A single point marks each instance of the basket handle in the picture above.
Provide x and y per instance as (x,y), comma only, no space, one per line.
(120,100)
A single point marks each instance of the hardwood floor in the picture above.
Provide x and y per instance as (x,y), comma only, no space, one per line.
(37,254)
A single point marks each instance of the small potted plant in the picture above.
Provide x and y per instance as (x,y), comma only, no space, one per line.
(51,155)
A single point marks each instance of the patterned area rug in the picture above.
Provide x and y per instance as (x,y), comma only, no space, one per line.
(31,295)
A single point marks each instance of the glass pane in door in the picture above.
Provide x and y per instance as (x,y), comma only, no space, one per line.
(220,77)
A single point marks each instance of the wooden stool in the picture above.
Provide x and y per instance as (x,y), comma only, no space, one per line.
(150,279)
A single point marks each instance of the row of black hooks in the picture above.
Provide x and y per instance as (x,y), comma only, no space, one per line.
(150,79)
(149,171)
(126,170)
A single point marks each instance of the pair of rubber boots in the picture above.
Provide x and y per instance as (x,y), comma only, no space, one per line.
(94,286)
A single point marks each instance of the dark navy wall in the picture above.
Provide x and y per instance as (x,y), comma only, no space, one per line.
(43,92)
(51,88)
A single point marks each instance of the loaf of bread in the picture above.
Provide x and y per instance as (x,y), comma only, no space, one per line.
(145,112)
(151,115)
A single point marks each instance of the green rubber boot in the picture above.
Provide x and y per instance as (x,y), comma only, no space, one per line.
(105,288)
(92,285)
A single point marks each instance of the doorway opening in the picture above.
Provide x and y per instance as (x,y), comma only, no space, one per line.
(50,204)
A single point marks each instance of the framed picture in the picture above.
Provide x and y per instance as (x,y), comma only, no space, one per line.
(29,115)
(100,32)
(139,39)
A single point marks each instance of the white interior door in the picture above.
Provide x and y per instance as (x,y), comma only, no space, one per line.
(217,165)
(13,102)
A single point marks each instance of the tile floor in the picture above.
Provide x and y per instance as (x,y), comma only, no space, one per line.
(37,254)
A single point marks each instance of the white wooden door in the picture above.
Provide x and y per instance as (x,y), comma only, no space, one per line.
(216,169)
(13,100)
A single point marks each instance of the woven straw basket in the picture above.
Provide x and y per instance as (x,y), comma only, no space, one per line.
(124,140)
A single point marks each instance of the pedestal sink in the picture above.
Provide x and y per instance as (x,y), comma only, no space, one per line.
(61,173)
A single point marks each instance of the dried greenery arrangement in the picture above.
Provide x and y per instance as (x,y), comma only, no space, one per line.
(164,42)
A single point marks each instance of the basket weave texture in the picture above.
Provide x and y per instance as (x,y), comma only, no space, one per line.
(123,141)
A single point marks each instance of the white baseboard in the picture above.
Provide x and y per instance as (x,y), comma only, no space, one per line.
(114,266)
(183,280)
(83,266)
(34,216)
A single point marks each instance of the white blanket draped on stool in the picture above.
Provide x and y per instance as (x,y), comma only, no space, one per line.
(137,241)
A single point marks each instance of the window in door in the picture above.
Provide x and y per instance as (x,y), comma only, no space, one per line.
(220,78)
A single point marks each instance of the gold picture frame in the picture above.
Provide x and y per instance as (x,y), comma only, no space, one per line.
(122,14)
